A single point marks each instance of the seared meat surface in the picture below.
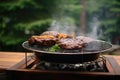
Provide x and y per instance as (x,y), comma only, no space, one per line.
(45,40)
(70,44)
(75,43)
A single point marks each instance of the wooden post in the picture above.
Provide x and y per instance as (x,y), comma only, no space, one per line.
(83,18)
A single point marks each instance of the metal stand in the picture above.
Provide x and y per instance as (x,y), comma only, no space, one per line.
(26,59)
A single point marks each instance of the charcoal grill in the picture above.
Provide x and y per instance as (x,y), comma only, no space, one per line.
(29,69)
(90,52)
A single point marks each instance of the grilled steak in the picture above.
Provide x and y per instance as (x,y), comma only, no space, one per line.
(45,40)
(70,43)
(76,43)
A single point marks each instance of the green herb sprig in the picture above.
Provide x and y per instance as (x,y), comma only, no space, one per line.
(54,48)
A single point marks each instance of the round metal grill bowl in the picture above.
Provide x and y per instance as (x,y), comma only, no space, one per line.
(90,52)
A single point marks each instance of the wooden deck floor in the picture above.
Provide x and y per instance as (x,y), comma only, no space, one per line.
(8,59)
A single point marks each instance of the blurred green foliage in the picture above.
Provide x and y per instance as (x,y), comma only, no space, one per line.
(110,20)
(108,15)
(20,19)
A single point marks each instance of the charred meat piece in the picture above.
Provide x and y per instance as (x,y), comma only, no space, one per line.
(70,43)
(45,40)
(76,43)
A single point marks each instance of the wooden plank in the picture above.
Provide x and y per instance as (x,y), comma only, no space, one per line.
(114,64)
(20,64)
(9,59)
(25,74)
(29,63)
(117,58)
(109,67)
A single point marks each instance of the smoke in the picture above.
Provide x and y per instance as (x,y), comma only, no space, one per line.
(64,17)
(64,24)
(94,26)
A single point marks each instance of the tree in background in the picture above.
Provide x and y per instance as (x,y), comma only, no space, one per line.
(111,21)
(108,14)
(19,19)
